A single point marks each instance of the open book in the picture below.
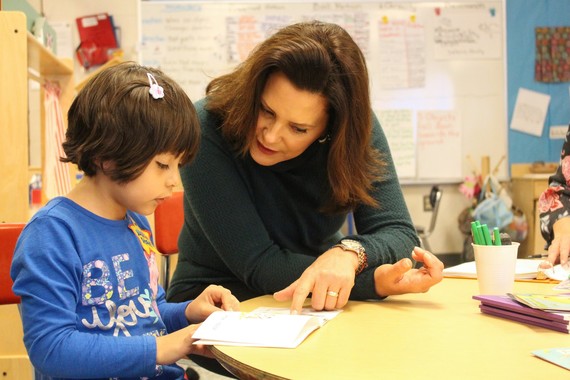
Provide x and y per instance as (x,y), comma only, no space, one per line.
(263,327)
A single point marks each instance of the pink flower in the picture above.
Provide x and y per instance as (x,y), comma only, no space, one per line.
(470,187)
(550,199)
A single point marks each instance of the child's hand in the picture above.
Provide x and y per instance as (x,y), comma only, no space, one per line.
(178,345)
(213,298)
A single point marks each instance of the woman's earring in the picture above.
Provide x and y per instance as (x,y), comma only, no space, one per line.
(324,139)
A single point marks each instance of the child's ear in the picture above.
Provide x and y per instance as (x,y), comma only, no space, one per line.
(105,165)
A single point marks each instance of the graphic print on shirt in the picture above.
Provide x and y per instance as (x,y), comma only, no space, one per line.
(96,276)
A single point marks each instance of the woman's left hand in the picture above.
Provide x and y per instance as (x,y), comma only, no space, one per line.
(401,278)
(329,279)
(213,298)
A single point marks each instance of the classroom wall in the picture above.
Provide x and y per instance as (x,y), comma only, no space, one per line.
(523,16)
(446,237)
(520,15)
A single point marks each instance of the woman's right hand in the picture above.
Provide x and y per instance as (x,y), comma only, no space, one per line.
(331,273)
(178,345)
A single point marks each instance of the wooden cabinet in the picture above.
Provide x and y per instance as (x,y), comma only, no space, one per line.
(526,191)
(22,57)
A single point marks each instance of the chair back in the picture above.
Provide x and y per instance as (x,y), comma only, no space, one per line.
(434,200)
(168,220)
(9,233)
(425,231)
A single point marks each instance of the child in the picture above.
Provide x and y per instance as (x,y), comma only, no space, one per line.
(85,263)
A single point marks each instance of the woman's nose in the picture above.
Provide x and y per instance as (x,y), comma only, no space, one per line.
(272,131)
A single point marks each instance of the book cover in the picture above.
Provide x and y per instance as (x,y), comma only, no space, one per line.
(547,302)
(507,303)
(558,356)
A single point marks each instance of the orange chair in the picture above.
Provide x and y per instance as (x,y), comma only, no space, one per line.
(168,220)
(9,233)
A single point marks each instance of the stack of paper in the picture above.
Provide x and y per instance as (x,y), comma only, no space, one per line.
(263,327)
(506,307)
(525,269)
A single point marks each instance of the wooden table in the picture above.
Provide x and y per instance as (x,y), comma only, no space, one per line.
(437,335)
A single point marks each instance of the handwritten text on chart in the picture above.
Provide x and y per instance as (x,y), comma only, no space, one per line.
(439,138)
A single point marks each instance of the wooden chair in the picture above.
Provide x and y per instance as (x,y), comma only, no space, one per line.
(9,233)
(168,221)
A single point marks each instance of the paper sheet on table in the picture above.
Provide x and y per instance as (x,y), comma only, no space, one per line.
(525,269)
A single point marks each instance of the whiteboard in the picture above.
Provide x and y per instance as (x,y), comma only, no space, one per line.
(437,70)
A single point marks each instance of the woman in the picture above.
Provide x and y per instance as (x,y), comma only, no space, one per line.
(290,146)
(554,208)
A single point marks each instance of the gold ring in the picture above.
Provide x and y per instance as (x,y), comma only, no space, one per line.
(332,294)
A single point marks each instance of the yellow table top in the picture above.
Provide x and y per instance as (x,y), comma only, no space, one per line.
(440,334)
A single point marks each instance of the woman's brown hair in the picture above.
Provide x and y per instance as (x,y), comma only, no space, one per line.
(320,58)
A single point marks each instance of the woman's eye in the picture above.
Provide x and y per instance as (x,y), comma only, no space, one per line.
(266,111)
(299,130)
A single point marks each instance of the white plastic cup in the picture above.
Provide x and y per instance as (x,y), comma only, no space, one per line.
(496,265)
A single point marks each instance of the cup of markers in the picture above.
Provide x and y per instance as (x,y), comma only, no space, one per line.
(495,259)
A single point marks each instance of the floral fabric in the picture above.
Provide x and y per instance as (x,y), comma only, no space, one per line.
(552,54)
(554,203)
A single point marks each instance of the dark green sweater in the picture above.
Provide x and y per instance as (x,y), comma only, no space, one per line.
(261,225)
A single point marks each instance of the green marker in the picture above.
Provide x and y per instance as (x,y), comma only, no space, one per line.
(480,238)
(496,236)
(475,233)
(486,234)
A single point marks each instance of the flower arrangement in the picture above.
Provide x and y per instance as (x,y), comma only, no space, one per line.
(471,187)
(491,204)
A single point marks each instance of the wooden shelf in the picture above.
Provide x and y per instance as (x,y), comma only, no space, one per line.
(44,62)
(23,57)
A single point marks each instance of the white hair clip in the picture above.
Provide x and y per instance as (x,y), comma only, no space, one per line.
(156,90)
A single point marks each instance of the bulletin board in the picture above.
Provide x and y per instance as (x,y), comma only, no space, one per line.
(523,16)
(437,70)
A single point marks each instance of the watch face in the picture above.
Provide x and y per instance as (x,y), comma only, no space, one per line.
(352,244)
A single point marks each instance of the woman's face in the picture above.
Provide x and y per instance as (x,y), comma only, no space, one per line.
(289,121)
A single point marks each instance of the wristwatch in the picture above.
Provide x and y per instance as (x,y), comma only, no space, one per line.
(356,247)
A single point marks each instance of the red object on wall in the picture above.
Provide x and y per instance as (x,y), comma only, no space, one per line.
(98,40)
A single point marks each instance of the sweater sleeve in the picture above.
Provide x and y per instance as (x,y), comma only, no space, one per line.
(172,314)
(387,231)
(46,272)
(554,202)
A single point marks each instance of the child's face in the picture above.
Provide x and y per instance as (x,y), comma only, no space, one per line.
(156,183)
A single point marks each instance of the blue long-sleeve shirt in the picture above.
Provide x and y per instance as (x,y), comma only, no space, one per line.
(91,305)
